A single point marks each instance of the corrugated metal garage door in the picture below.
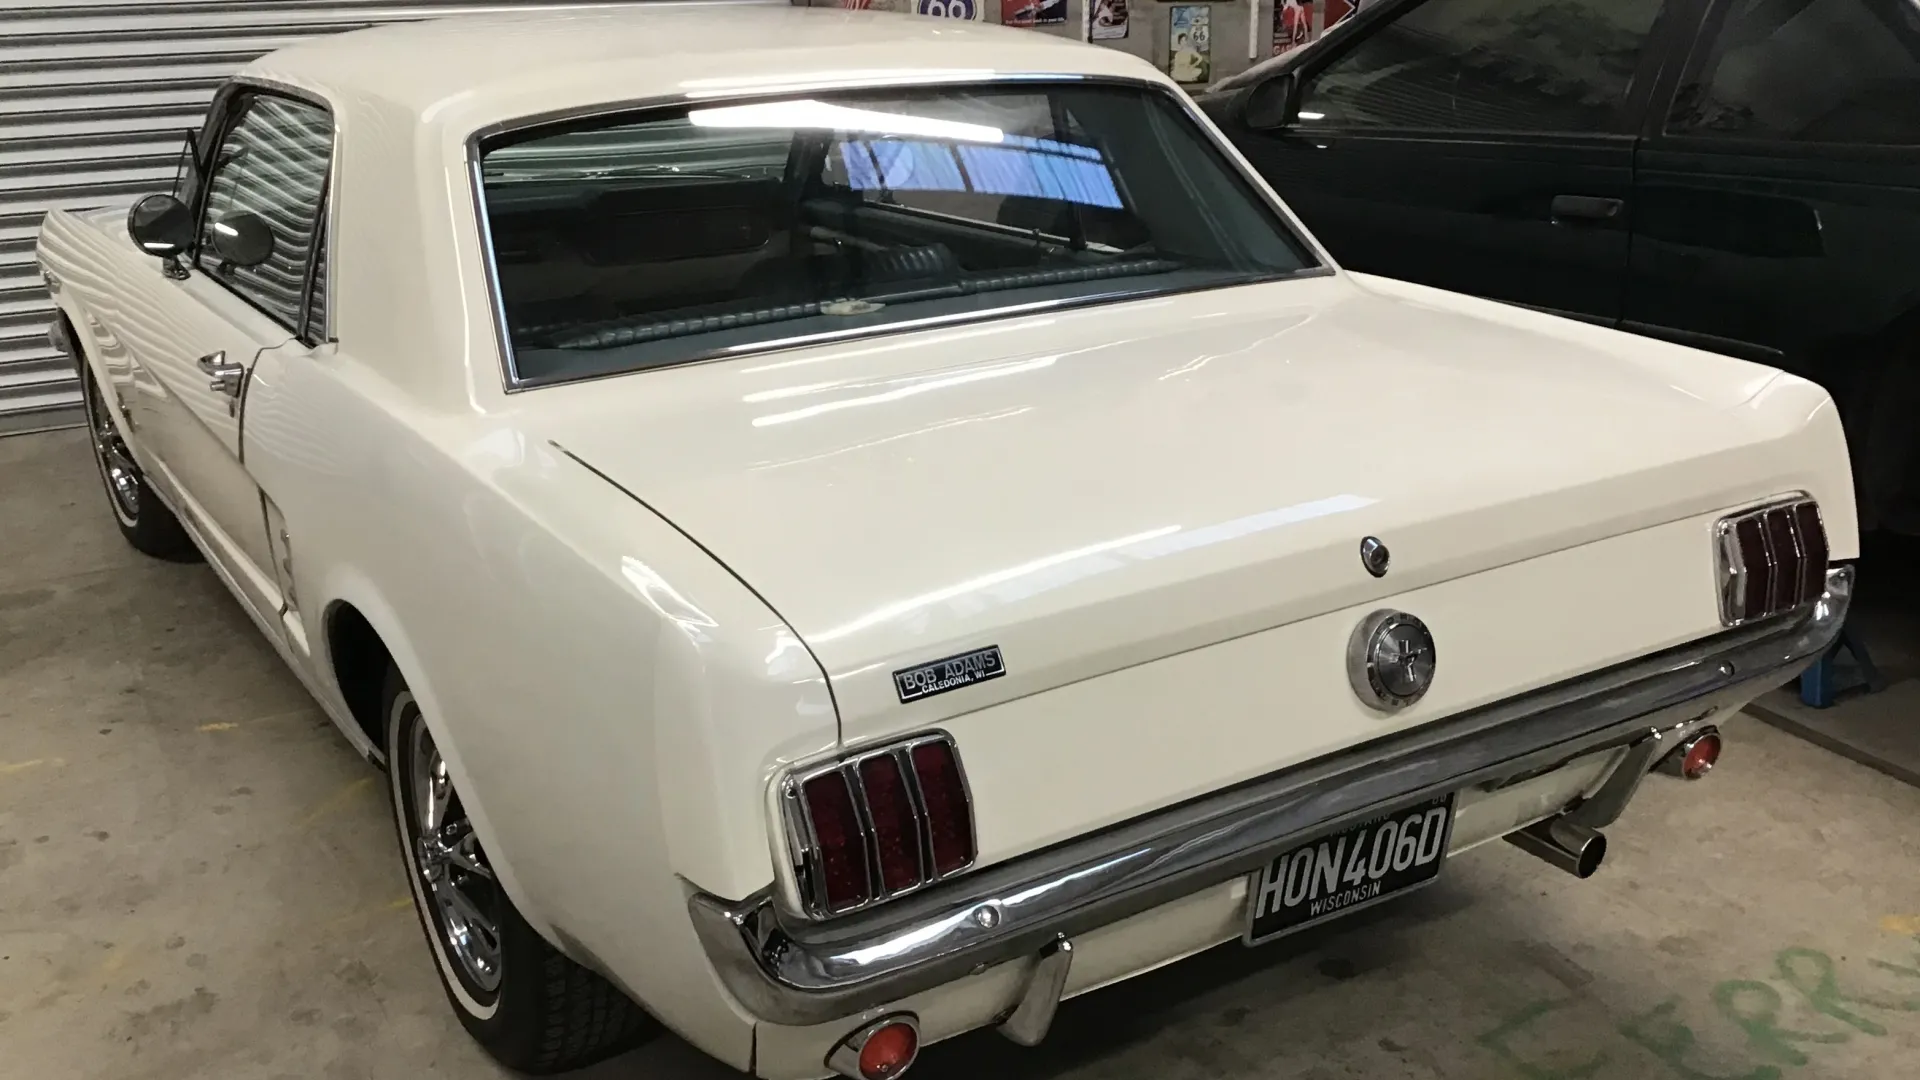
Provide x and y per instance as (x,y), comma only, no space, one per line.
(93,99)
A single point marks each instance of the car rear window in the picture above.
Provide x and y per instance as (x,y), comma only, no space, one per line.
(665,236)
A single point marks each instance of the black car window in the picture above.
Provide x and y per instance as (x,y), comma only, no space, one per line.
(1487,65)
(658,237)
(272,162)
(1823,71)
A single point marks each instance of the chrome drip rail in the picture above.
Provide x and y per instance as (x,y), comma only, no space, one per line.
(813,973)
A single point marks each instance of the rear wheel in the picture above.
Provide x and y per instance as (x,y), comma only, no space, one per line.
(143,519)
(531,1008)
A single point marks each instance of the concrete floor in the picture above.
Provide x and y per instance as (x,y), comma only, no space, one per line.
(197,880)
(1881,728)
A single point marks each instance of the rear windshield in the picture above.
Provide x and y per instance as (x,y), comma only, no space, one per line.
(649,239)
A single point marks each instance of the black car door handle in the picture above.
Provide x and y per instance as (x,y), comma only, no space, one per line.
(1586,207)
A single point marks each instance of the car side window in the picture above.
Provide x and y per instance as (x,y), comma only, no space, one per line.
(1816,71)
(272,162)
(1487,65)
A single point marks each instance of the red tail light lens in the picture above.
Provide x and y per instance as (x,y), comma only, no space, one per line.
(1813,545)
(1772,560)
(949,818)
(896,824)
(879,823)
(844,878)
(1751,537)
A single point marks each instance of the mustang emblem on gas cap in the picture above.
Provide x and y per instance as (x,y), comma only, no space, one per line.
(1390,660)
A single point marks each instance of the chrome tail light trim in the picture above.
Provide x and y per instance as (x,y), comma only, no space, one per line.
(1771,560)
(803,843)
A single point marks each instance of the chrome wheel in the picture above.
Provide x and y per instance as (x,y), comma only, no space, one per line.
(116,461)
(452,869)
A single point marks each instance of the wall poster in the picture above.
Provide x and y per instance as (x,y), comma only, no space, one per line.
(1190,45)
(1292,25)
(1033,12)
(1109,20)
(970,10)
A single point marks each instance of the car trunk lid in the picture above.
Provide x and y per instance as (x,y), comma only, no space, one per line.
(1090,491)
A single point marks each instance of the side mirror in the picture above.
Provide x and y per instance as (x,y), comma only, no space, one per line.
(161,226)
(242,239)
(1271,104)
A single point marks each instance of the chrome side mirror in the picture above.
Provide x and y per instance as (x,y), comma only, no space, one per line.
(161,226)
(242,239)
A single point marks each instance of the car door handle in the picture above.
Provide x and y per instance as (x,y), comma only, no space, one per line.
(226,378)
(1586,208)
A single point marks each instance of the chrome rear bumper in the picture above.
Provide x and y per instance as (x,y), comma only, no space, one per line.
(812,973)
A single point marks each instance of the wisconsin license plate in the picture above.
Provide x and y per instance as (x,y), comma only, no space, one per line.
(1349,870)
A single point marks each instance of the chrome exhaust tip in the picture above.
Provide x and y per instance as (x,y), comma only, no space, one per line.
(1563,844)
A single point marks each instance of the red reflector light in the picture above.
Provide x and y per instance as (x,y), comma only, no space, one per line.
(880,1050)
(1700,756)
(839,841)
(896,826)
(889,1051)
(949,817)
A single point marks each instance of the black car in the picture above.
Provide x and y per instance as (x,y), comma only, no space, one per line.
(1736,175)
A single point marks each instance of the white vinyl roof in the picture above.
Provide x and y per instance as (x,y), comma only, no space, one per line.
(476,70)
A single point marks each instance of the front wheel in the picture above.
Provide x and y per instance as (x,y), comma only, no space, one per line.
(531,1008)
(144,520)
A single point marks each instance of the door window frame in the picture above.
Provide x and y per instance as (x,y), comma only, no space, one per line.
(1709,17)
(1670,27)
(222,116)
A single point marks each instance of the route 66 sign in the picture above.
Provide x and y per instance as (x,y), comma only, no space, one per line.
(970,10)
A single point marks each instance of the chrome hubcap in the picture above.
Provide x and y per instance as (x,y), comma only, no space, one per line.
(453,869)
(116,463)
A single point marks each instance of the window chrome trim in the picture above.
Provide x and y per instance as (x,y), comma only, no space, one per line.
(511,382)
(258,85)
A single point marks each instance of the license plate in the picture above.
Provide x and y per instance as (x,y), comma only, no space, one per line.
(1337,874)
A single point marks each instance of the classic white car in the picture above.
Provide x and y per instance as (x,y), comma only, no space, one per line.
(845,529)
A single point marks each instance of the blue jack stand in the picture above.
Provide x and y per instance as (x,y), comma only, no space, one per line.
(1820,685)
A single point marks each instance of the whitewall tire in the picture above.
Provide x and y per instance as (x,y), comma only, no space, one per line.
(531,1008)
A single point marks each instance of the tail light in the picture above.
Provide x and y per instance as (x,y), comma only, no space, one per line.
(879,823)
(1772,560)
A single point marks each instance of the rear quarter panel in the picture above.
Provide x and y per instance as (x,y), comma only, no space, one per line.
(610,701)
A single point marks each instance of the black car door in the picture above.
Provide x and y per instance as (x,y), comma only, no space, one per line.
(1484,146)
(1778,215)
(1778,187)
